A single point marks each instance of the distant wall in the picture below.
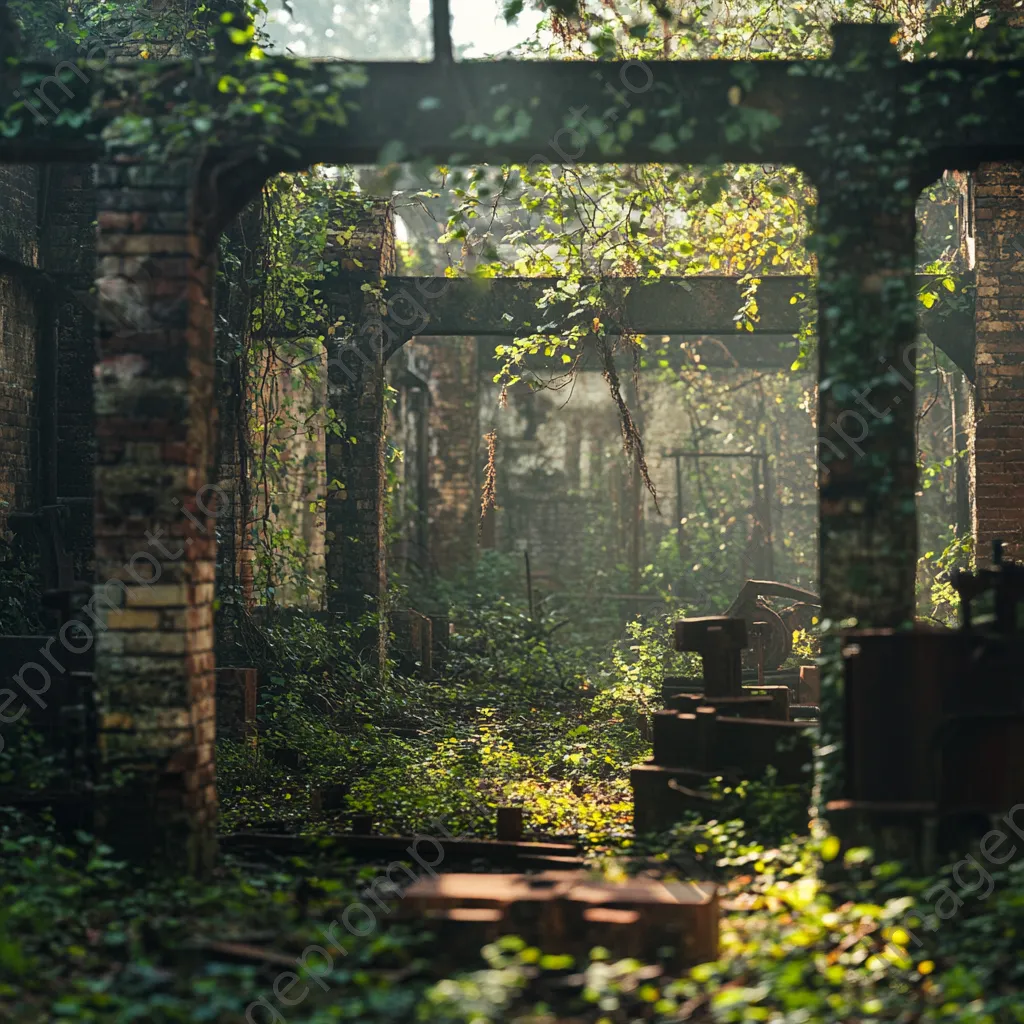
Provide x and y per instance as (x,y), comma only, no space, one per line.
(455,450)
(47,343)
(19,261)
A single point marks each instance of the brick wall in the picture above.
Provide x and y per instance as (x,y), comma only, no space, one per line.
(46,324)
(455,451)
(17,394)
(999,433)
(18,238)
(19,256)
(154,518)
(68,255)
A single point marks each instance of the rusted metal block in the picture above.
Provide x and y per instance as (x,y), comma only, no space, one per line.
(750,705)
(778,702)
(894,695)
(673,686)
(237,692)
(809,686)
(733,746)
(804,713)
(720,642)
(510,824)
(896,830)
(982,767)
(663,794)
(676,923)
(696,634)
(685,740)
(746,746)
(753,702)
(329,796)
(414,641)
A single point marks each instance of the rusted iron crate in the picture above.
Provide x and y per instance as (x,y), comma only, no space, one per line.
(691,749)
(709,742)
(933,738)
(237,693)
(570,913)
(753,702)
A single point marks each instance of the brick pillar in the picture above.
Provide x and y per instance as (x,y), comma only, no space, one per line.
(362,240)
(154,519)
(999,359)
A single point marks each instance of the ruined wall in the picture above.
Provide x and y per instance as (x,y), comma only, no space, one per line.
(455,450)
(19,260)
(297,406)
(67,211)
(46,344)
(999,434)
(17,394)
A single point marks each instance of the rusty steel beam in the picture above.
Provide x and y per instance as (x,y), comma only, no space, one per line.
(508,307)
(702,310)
(700,111)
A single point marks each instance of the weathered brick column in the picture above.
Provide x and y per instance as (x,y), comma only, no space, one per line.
(999,359)
(363,242)
(153,607)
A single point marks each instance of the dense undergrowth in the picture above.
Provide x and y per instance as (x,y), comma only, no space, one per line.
(84,937)
(518,716)
(522,715)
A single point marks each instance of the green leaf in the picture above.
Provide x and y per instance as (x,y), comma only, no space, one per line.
(663,143)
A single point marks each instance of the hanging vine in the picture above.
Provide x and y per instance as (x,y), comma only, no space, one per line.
(281,366)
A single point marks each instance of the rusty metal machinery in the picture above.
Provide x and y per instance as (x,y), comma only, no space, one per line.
(726,729)
(778,641)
